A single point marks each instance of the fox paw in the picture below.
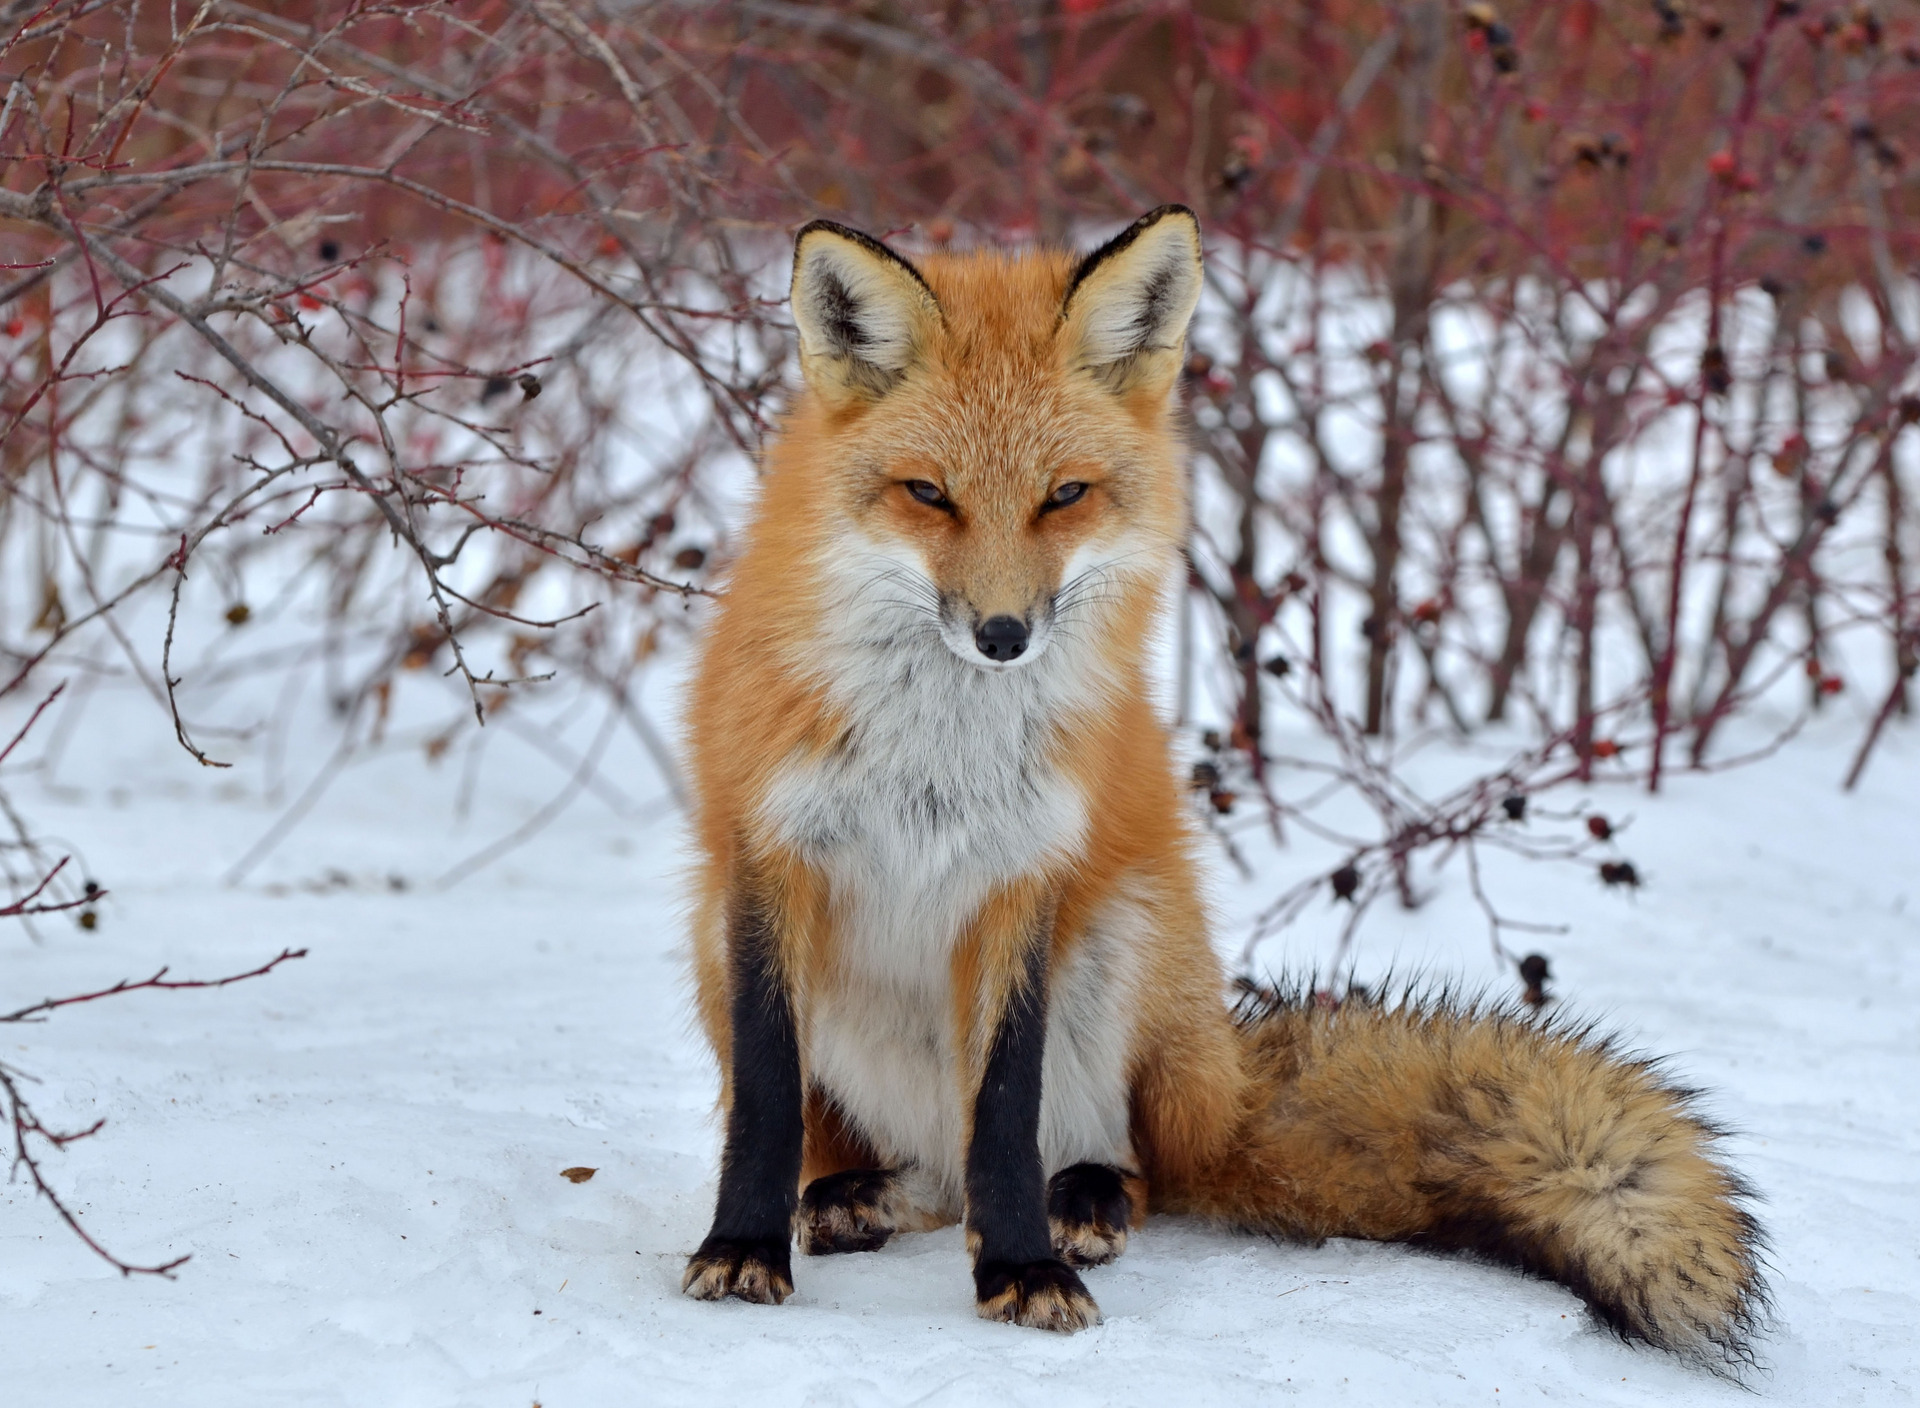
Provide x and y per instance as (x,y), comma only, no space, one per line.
(1042,1295)
(1088,1208)
(851,1211)
(754,1269)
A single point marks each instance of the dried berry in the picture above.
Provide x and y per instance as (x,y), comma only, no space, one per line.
(1345,881)
(1599,827)
(1715,375)
(1534,973)
(1619,872)
(1514,804)
(1206,776)
(1235,172)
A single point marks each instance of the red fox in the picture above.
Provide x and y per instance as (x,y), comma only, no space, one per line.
(949,940)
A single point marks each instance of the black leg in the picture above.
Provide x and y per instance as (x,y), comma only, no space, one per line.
(1016,1276)
(747,1254)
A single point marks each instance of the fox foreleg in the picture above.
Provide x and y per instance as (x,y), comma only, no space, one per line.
(748,1252)
(1016,1275)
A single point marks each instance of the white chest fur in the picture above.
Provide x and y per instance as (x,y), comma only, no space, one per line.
(938,793)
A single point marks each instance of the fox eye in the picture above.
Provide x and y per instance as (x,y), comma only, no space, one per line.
(1069,493)
(928,494)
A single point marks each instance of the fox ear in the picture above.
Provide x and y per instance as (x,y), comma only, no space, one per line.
(1125,315)
(864,313)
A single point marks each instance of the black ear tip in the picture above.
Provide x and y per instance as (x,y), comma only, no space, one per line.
(1123,239)
(1162,212)
(872,246)
(1155,216)
(831,227)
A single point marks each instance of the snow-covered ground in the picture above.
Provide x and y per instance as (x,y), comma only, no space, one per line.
(363,1151)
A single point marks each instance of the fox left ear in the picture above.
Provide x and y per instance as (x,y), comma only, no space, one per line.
(863,312)
(1125,315)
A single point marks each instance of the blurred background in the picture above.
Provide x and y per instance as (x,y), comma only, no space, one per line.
(403,367)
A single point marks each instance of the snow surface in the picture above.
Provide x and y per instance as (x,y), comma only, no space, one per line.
(363,1150)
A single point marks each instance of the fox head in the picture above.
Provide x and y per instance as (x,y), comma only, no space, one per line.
(986,447)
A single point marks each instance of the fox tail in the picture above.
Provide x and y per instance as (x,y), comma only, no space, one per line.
(1490,1131)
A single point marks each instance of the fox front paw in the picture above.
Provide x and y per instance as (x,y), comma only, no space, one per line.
(1042,1295)
(756,1270)
(1088,1208)
(852,1211)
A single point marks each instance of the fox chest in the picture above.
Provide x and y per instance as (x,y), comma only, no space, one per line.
(909,858)
(932,800)
(937,791)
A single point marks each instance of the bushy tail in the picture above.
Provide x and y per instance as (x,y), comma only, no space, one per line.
(1492,1132)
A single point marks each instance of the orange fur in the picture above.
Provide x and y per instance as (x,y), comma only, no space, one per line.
(1420,1124)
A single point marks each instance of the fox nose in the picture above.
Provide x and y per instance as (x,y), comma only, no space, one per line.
(1001,637)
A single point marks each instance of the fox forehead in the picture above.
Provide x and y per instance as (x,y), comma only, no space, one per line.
(995,406)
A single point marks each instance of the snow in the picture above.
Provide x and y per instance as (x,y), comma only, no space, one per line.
(363,1150)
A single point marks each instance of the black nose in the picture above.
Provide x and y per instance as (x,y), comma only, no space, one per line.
(1001,637)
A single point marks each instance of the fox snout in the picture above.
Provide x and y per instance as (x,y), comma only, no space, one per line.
(994,639)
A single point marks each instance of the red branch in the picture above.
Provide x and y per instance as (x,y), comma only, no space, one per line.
(158,980)
(27,1125)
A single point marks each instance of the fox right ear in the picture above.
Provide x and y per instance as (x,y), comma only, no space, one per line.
(863,312)
(1128,304)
